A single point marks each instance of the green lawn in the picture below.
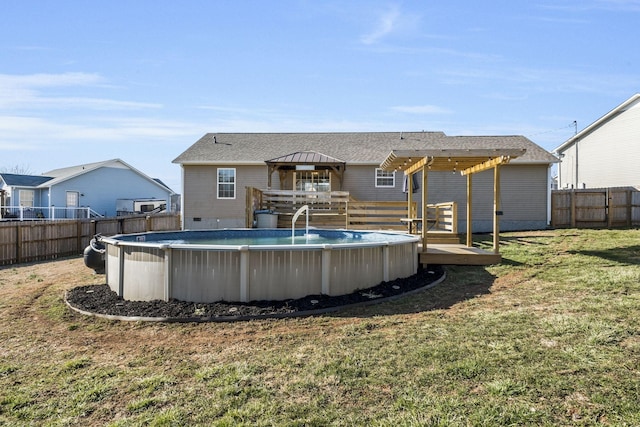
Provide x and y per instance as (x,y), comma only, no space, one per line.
(549,337)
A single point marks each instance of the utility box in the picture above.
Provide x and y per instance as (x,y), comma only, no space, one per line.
(266,219)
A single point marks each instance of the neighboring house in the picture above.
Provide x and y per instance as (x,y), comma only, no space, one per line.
(99,187)
(606,153)
(218,168)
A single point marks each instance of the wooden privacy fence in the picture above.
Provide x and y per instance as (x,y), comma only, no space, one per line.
(27,241)
(595,208)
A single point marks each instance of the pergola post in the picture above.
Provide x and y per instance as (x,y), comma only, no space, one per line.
(496,210)
(424,207)
(469,210)
(409,195)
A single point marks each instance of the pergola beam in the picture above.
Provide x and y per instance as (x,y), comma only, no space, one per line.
(486,165)
(418,166)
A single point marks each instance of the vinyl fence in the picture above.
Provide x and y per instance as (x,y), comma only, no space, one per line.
(595,208)
(27,241)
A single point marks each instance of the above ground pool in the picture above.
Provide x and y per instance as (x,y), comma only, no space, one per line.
(242,265)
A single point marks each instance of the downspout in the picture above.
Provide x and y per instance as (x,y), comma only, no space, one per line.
(560,156)
(549,191)
(182,201)
(576,185)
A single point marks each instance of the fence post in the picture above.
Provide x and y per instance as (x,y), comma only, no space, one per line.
(147,224)
(629,210)
(553,209)
(572,213)
(346,215)
(79,234)
(609,207)
(18,243)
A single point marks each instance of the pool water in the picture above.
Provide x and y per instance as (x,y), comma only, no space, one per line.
(255,237)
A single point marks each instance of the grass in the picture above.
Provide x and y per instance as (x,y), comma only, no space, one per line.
(549,337)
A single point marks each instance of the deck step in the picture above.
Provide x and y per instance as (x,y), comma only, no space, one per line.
(457,255)
(443,238)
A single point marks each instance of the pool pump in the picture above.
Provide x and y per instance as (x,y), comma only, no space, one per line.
(94,254)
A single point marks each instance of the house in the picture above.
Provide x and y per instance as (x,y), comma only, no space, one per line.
(93,189)
(218,168)
(604,154)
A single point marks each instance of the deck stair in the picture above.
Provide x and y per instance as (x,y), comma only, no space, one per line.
(442,238)
(450,254)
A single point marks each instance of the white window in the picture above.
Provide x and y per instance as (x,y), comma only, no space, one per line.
(385,178)
(313,180)
(226,183)
(26,198)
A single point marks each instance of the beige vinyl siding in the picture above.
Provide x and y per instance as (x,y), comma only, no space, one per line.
(201,201)
(607,157)
(360,181)
(525,197)
(524,194)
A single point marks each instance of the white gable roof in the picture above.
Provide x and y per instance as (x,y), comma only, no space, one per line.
(629,103)
(64,174)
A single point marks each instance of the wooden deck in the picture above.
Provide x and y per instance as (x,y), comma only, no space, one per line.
(336,209)
(456,254)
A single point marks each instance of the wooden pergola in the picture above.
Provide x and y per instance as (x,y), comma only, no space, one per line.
(465,161)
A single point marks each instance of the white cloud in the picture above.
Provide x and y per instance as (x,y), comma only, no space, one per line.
(585,5)
(30,133)
(386,24)
(50,80)
(421,109)
(543,80)
(27,92)
(392,21)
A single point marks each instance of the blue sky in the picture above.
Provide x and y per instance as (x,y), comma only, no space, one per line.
(142,80)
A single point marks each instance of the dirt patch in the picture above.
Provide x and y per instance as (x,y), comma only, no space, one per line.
(99,299)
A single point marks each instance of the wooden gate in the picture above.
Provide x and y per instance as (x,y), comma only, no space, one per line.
(595,208)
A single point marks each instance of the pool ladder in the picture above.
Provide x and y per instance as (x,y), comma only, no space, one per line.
(293,223)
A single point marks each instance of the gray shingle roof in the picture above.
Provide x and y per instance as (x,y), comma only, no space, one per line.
(351,147)
(15,180)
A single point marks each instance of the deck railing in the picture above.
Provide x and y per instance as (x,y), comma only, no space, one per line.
(338,209)
(39,213)
(386,215)
(318,201)
(443,217)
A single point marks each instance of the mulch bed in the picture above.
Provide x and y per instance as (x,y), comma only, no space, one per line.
(100,300)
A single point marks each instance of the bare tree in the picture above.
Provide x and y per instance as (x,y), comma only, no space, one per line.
(16,169)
